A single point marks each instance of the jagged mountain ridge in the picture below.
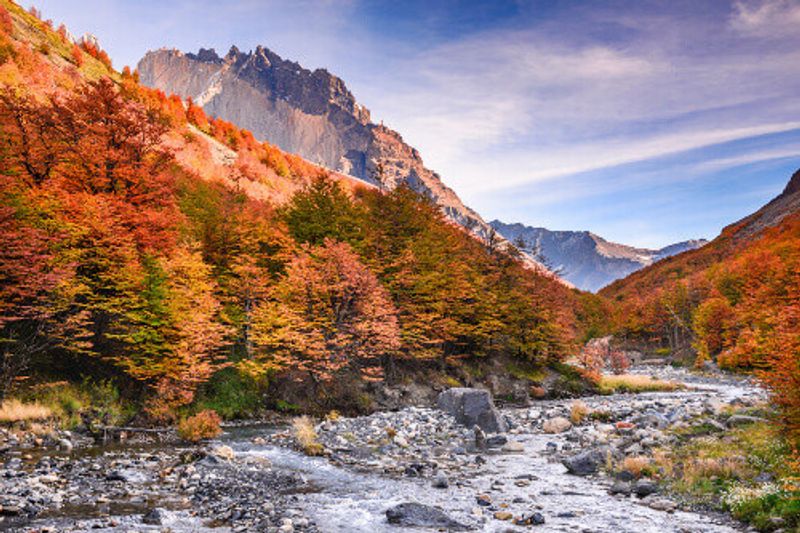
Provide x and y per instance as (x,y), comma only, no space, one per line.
(582,258)
(310,113)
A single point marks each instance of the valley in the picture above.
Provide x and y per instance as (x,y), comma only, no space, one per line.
(231,300)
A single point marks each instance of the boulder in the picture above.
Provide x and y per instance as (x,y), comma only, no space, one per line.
(644,488)
(588,462)
(557,424)
(419,515)
(472,407)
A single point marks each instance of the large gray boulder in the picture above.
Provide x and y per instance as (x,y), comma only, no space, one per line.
(472,407)
(418,515)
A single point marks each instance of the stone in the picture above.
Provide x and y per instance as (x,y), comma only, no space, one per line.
(620,487)
(503,515)
(484,500)
(495,441)
(472,407)
(557,424)
(223,452)
(661,504)
(588,462)
(440,482)
(743,420)
(65,445)
(644,488)
(534,519)
(418,515)
(154,517)
(480,438)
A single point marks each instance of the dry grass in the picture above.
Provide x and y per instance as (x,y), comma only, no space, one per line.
(578,412)
(701,468)
(306,436)
(636,383)
(333,416)
(15,411)
(636,465)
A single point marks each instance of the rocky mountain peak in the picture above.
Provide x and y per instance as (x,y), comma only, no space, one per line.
(310,113)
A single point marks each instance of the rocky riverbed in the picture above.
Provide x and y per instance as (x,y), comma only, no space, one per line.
(419,464)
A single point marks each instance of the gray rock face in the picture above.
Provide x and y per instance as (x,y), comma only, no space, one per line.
(472,407)
(310,113)
(418,515)
(588,462)
(584,259)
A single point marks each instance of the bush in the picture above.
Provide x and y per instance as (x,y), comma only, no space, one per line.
(203,425)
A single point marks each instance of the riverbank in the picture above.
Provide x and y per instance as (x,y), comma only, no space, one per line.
(254,478)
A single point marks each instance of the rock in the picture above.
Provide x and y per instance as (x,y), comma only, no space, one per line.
(484,500)
(661,504)
(513,447)
(154,517)
(65,445)
(534,519)
(620,487)
(557,424)
(503,515)
(743,420)
(401,441)
(644,488)
(495,441)
(588,462)
(126,476)
(480,438)
(419,515)
(472,407)
(551,447)
(223,452)
(440,482)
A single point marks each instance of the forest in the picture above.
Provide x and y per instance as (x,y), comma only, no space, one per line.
(122,264)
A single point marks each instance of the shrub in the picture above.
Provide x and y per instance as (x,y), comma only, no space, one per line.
(578,412)
(16,411)
(306,436)
(203,425)
(637,465)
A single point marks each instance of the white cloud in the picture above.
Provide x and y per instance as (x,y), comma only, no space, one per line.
(766,18)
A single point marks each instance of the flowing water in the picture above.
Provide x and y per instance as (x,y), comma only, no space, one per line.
(350,500)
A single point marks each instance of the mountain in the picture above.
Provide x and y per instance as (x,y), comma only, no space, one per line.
(582,258)
(310,113)
(736,299)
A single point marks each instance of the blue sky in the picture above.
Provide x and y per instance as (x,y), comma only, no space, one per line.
(645,121)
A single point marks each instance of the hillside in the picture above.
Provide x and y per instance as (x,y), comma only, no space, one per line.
(735,301)
(309,113)
(184,264)
(582,258)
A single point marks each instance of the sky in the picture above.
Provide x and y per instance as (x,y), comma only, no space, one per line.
(647,122)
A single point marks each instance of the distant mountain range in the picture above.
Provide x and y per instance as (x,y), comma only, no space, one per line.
(313,114)
(582,258)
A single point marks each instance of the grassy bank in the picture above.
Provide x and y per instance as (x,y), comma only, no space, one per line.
(749,471)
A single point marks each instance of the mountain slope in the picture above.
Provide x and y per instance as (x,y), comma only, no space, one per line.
(173,255)
(728,300)
(584,259)
(312,114)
